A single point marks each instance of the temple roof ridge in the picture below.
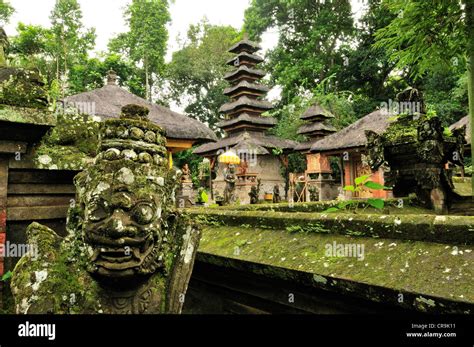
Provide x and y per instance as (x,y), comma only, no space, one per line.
(245,69)
(246,101)
(245,45)
(247,85)
(315,111)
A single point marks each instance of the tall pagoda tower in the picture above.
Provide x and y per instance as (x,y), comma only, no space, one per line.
(246,129)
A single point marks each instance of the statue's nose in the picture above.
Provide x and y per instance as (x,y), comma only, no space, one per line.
(117,224)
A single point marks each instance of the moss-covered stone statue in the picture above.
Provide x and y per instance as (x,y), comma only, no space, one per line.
(129,250)
(19,87)
(416,152)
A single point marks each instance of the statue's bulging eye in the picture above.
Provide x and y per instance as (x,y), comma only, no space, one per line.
(143,213)
(98,211)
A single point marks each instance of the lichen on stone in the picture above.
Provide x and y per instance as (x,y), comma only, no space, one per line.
(71,145)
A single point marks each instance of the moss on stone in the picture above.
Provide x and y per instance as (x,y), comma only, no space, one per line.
(26,115)
(392,206)
(424,227)
(71,145)
(404,129)
(416,268)
(53,280)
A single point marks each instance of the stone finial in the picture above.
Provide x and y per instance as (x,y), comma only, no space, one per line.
(133,111)
(112,78)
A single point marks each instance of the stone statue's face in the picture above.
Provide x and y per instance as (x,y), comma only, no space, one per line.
(124,229)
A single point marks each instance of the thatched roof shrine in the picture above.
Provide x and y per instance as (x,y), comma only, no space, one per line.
(353,136)
(109,100)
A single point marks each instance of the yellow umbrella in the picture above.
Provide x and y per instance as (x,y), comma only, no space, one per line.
(229,157)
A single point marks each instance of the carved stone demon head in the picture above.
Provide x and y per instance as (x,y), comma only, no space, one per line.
(126,198)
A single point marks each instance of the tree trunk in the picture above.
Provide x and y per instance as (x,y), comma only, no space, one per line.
(147,80)
(470,64)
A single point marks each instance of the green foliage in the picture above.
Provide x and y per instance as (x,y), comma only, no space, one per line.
(58,50)
(6,276)
(203,198)
(6,11)
(377,203)
(340,105)
(367,69)
(360,180)
(70,41)
(33,47)
(277,151)
(374,186)
(90,75)
(360,183)
(431,40)
(194,163)
(288,116)
(197,69)
(146,41)
(445,92)
(316,36)
(424,34)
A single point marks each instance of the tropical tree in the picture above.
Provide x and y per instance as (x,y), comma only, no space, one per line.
(6,11)
(71,42)
(146,41)
(366,70)
(427,35)
(314,39)
(196,72)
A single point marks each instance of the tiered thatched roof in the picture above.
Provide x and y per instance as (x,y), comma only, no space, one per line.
(316,126)
(316,111)
(247,140)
